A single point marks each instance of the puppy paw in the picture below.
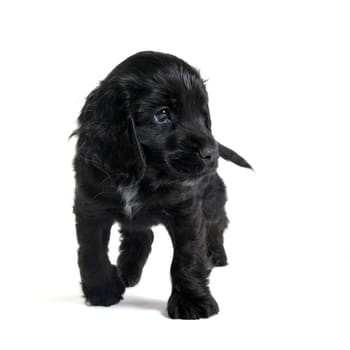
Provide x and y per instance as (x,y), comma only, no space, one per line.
(186,308)
(218,261)
(107,293)
(130,278)
(130,273)
(218,257)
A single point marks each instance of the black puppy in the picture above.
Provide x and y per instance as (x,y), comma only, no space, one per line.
(146,155)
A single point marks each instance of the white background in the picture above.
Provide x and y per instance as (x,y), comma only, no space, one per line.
(279,87)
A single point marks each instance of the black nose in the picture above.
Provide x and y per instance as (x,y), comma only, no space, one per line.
(207,153)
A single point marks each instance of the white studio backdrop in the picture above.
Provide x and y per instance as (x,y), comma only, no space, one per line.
(278,81)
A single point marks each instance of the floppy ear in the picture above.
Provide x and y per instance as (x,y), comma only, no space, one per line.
(107,137)
(232,156)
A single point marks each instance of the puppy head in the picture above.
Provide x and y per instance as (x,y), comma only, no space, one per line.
(150,113)
(171,115)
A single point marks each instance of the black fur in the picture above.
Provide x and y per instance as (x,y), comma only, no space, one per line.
(146,155)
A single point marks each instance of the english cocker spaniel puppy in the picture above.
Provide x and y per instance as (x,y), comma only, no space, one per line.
(145,155)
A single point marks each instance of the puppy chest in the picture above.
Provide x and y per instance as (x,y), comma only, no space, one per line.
(129,196)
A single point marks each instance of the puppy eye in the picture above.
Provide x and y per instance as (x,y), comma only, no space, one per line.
(162,115)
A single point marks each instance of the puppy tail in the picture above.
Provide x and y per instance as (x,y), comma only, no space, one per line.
(233,157)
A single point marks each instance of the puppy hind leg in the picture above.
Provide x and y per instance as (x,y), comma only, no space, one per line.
(134,250)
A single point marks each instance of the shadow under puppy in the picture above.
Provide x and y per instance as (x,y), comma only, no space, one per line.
(145,155)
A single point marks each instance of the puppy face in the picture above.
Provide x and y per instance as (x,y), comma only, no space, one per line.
(150,114)
(171,116)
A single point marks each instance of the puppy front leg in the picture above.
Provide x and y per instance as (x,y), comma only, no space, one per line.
(100,280)
(190,297)
(134,250)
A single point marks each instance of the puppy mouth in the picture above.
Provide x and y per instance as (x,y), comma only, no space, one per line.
(191,167)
